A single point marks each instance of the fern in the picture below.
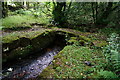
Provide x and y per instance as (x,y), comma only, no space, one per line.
(112,53)
(106,74)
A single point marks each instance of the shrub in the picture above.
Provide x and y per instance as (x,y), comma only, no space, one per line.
(106,74)
(108,30)
(112,53)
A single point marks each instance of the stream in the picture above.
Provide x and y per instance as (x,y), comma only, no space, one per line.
(31,66)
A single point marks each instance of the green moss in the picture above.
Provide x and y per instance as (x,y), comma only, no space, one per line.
(70,63)
(42,41)
(20,48)
(18,53)
(33,34)
(84,38)
(17,35)
(98,43)
(42,38)
(9,38)
(48,72)
(72,41)
(69,32)
(73,38)
(82,42)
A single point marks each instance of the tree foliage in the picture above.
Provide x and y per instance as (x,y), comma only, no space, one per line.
(71,14)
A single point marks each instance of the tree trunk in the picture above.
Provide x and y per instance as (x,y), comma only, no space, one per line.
(58,14)
(0,10)
(27,5)
(93,12)
(5,9)
(69,6)
(119,16)
(34,5)
(102,20)
(96,9)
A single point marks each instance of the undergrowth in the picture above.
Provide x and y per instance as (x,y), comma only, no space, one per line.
(76,61)
(112,53)
(17,21)
(107,31)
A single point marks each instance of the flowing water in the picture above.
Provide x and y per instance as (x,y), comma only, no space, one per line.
(31,66)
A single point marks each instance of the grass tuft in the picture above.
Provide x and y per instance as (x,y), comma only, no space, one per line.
(23,21)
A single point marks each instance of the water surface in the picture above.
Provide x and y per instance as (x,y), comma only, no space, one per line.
(31,66)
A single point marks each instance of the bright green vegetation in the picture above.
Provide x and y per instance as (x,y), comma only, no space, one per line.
(85,26)
(36,39)
(32,34)
(112,53)
(25,44)
(16,35)
(21,21)
(70,63)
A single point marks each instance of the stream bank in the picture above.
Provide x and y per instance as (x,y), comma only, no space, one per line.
(28,45)
(33,65)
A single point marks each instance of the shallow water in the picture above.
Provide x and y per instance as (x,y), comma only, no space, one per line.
(32,66)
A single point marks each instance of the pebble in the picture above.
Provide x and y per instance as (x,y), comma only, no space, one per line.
(10,69)
(87,63)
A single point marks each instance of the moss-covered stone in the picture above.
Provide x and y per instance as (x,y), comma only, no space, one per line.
(38,40)
(24,42)
(98,43)
(18,48)
(17,53)
(84,38)
(82,42)
(10,46)
(71,41)
(73,38)
(69,63)
(47,73)
(17,35)
(42,41)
